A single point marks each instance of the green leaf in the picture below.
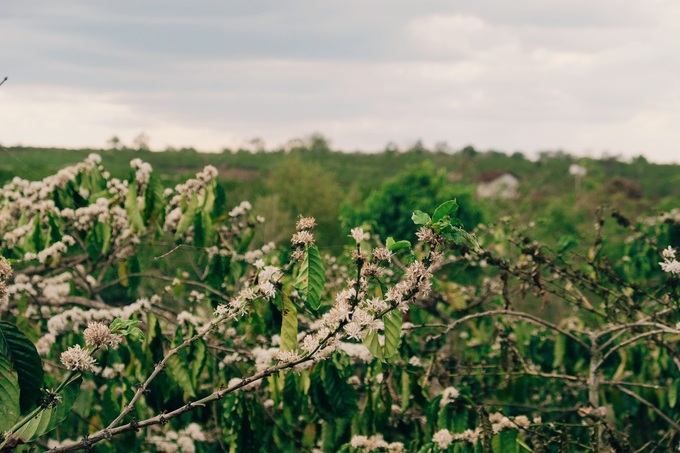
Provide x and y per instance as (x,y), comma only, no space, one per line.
(98,240)
(25,360)
(460,236)
(331,394)
(154,199)
(220,201)
(128,328)
(420,218)
(9,395)
(392,245)
(199,230)
(53,223)
(188,216)
(560,349)
(372,342)
(134,268)
(673,393)
(447,208)
(291,395)
(105,234)
(132,209)
(505,441)
(289,325)
(48,419)
(311,279)
(393,322)
(178,366)
(199,357)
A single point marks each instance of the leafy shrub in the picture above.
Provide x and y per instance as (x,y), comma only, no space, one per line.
(142,318)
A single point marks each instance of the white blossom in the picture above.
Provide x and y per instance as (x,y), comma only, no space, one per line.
(77,359)
(443,438)
(358,235)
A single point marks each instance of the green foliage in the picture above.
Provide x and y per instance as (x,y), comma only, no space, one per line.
(133,209)
(388,209)
(443,334)
(23,357)
(127,328)
(289,325)
(311,278)
(332,396)
(9,394)
(393,323)
(306,187)
(392,245)
(48,419)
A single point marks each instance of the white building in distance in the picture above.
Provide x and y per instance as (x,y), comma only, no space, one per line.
(498,184)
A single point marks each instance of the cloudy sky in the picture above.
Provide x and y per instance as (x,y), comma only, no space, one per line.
(586,76)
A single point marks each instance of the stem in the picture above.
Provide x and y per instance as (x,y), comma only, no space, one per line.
(670,421)
(531,318)
(594,387)
(34,413)
(158,368)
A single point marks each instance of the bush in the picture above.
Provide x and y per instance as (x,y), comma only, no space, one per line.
(137,318)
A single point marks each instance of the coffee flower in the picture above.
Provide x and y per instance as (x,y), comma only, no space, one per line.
(358,235)
(382,254)
(305,223)
(670,264)
(77,359)
(449,395)
(303,237)
(5,269)
(99,335)
(443,438)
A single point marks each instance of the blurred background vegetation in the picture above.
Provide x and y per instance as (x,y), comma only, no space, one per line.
(346,189)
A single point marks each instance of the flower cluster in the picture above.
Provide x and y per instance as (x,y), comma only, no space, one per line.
(142,171)
(5,274)
(499,422)
(73,318)
(449,395)
(417,281)
(376,442)
(99,335)
(241,209)
(53,252)
(77,359)
(426,234)
(303,238)
(305,223)
(85,217)
(178,441)
(359,235)
(195,187)
(238,306)
(670,264)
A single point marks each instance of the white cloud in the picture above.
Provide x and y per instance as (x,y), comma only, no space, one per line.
(529,75)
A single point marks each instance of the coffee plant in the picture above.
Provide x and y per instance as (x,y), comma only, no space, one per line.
(142,318)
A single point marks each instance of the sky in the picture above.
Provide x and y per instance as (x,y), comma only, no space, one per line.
(589,77)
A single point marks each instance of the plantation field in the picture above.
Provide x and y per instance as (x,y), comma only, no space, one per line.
(312,300)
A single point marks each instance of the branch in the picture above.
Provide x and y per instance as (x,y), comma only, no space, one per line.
(627,342)
(633,325)
(514,314)
(158,368)
(651,406)
(645,319)
(168,279)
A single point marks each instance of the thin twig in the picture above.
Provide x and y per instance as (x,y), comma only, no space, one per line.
(651,406)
